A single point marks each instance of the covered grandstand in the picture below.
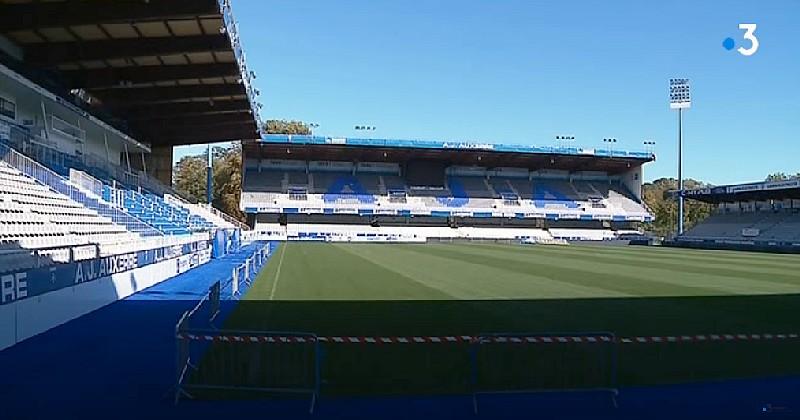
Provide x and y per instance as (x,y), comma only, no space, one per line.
(123,82)
(375,188)
(760,215)
(93,96)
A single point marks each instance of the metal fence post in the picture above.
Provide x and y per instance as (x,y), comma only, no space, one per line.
(235,283)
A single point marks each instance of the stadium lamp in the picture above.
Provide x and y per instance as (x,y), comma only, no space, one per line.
(562,141)
(649,146)
(680,99)
(611,141)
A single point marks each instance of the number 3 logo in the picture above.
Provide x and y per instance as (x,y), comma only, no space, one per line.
(749,35)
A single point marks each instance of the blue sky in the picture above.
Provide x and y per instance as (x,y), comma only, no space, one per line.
(525,71)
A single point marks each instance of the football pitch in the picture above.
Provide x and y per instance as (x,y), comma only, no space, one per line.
(440,289)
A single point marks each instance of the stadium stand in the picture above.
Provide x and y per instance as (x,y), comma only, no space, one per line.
(427,184)
(87,214)
(764,215)
(582,197)
(40,217)
(778,226)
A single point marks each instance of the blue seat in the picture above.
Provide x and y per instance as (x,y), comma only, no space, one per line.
(545,194)
(459,195)
(338,191)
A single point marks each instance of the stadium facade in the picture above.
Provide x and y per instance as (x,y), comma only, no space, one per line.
(347,189)
(758,216)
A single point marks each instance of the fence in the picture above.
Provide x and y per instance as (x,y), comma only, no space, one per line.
(193,320)
(56,182)
(44,150)
(244,274)
(529,363)
(248,361)
(87,182)
(226,217)
(203,209)
(211,359)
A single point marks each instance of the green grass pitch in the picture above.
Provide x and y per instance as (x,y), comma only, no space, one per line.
(472,288)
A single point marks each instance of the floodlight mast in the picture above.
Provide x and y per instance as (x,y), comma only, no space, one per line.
(680,99)
(209,176)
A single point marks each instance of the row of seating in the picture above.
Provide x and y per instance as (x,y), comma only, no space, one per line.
(32,216)
(167,218)
(57,168)
(458,191)
(472,187)
(778,225)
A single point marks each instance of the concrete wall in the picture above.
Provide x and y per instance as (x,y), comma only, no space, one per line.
(25,318)
(633,180)
(159,164)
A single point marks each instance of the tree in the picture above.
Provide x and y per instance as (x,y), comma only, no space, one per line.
(287,127)
(780,176)
(665,207)
(777,176)
(189,178)
(228,180)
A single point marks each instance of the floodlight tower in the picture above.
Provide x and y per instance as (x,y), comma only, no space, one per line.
(610,142)
(365,128)
(650,146)
(680,99)
(564,141)
(209,176)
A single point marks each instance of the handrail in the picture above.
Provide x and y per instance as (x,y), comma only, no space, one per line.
(225,216)
(61,185)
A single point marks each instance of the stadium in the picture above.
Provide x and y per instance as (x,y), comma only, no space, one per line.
(369,277)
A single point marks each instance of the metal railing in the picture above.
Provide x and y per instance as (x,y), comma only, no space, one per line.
(85,181)
(511,363)
(204,210)
(242,276)
(43,150)
(59,184)
(210,359)
(225,216)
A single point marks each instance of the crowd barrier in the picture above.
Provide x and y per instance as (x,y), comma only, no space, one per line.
(208,358)
(249,361)
(498,363)
(243,275)
(543,362)
(204,312)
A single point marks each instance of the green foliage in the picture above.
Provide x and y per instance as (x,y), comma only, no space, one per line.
(665,208)
(780,176)
(189,178)
(228,180)
(287,127)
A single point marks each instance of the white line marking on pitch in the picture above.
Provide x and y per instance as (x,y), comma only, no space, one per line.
(278,271)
